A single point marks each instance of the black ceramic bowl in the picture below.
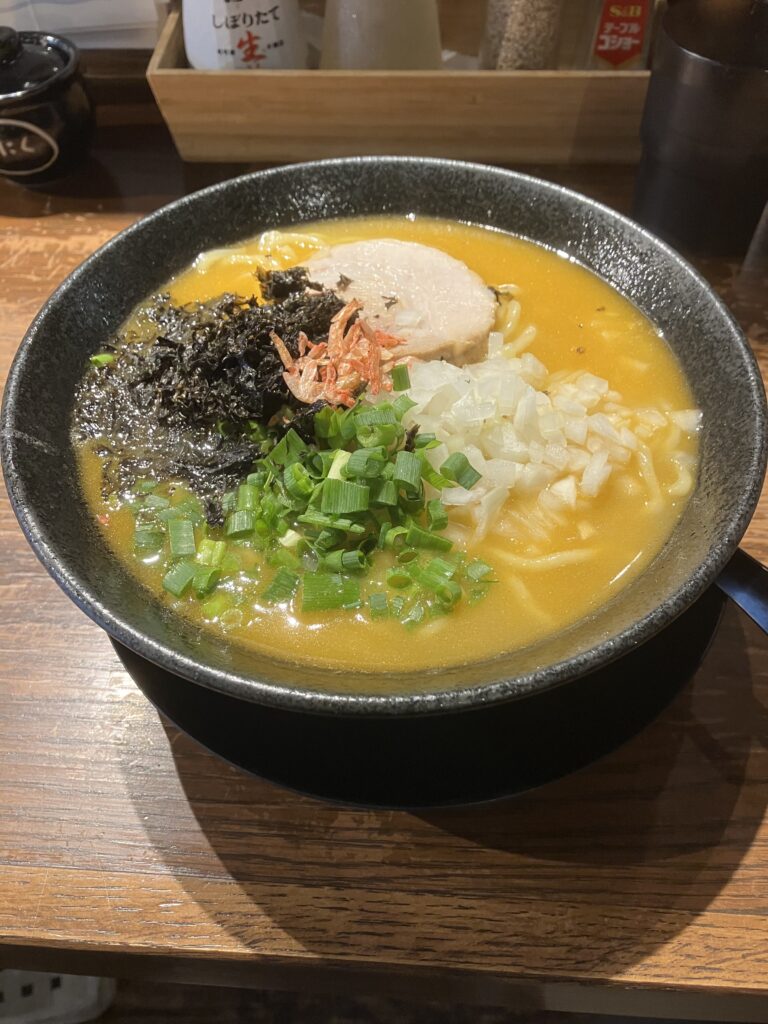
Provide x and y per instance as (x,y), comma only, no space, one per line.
(42,477)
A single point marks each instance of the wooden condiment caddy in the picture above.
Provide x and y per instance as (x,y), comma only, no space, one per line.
(497,116)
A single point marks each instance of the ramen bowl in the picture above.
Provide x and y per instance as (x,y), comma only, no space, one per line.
(42,474)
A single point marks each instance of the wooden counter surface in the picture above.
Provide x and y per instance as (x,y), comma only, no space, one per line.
(638,885)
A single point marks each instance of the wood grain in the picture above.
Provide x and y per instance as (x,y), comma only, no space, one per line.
(546,116)
(125,848)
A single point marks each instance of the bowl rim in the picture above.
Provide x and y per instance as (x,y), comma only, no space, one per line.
(295,697)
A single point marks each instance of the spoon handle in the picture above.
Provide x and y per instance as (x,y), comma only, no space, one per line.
(745,581)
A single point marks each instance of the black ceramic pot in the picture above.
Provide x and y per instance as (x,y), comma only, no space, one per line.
(42,476)
(46,121)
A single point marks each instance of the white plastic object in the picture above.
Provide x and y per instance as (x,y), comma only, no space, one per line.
(249,35)
(34,997)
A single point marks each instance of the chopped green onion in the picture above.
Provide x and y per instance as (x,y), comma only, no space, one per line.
(319,464)
(399,578)
(385,434)
(408,470)
(430,474)
(103,359)
(384,492)
(337,426)
(298,482)
(148,540)
(145,486)
(376,416)
(338,464)
(442,567)
(416,537)
(332,561)
(229,502)
(327,539)
(190,509)
(258,479)
(283,586)
(172,512)
(283,557)
(342,496)
(394,537)
(178,578)
(230,563)
(271,508)
(401,405)
(447,591)
(415,615)
(247,497)
(353,561)
(217,605)
(324,591)
(378,605)
(288,449)
(156,501)
(256,432)
(366,462)
(425,441)
(438,517)
(261,528)
(457,468)
(345,561)
(401,379)
(407,555)
(477,570)
(205,580)
(331,522)
(181,537)
(240,523)
(211,552)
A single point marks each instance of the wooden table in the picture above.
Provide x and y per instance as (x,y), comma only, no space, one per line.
(639,885)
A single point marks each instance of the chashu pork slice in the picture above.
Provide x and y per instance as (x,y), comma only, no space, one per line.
(439,306)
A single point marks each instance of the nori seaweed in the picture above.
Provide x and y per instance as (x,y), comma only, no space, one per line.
(180,371)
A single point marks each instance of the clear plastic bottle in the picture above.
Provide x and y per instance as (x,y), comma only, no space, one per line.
(381,34)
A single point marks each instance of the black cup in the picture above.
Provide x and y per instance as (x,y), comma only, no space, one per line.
(46,119)
(703,177)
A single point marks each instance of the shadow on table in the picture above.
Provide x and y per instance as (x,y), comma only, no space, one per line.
(616,859)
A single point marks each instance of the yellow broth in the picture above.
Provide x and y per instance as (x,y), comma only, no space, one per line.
(582,324)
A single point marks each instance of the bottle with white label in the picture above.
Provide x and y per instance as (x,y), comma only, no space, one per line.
(243,34)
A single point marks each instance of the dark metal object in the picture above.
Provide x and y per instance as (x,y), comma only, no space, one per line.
(703,178)
(745,581)
(46,121)
(41,471)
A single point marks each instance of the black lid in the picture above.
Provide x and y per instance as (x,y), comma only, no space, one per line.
(31,61)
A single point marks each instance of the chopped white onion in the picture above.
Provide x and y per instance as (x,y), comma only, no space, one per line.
(556,438)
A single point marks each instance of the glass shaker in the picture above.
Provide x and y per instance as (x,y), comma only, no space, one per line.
(381,34)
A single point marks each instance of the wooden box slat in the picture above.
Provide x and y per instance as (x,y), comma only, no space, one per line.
(500,116)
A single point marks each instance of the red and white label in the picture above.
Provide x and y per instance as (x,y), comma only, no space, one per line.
(621,31)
